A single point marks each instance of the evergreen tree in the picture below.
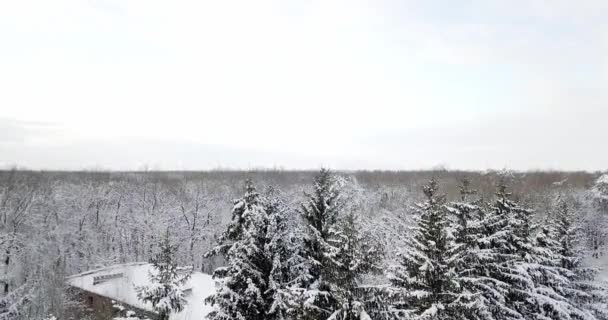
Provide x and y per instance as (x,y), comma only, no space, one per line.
(352,261)
(543,297)
(165,291)
(580,290)
(466,217)
(320,214)
(520,246)
(597,216)
(552,283)
(469,303)
(500,283)
(508,268)
(423,282)
(278,250)
(243,285)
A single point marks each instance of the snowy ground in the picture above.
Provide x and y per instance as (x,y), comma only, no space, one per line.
(136,274)
(602,264)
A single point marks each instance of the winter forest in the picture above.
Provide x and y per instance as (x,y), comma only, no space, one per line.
(314,245)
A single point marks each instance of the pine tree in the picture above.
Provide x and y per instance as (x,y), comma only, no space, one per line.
(520,246)
(466,214)
(552,283)
(538,288)
(320,214)
(352,261)
(597,216)
(500,284)
(423,282)
(580,290)
(244,283)
(165,291)
(508,266)
(279,251)
(469,270)
(296,271)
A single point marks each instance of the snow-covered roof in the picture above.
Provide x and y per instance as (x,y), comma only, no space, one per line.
(118,283)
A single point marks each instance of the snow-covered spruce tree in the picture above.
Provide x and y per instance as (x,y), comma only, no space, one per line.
(552,283)
(567,240)
(244,283)
(354,258)
(537,285)
(165,289)
(512,241)
(600,192)
(596,224)
(466,215)
(278,251)
(509,267)
(500,285)
(297,271)
(521,247)
(423,283)
(320,214)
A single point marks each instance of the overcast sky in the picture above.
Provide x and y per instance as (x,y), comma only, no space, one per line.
(123,84)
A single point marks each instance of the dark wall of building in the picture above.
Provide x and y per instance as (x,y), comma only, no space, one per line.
(97,307)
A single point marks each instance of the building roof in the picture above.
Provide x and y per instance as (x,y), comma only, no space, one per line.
(118,283)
